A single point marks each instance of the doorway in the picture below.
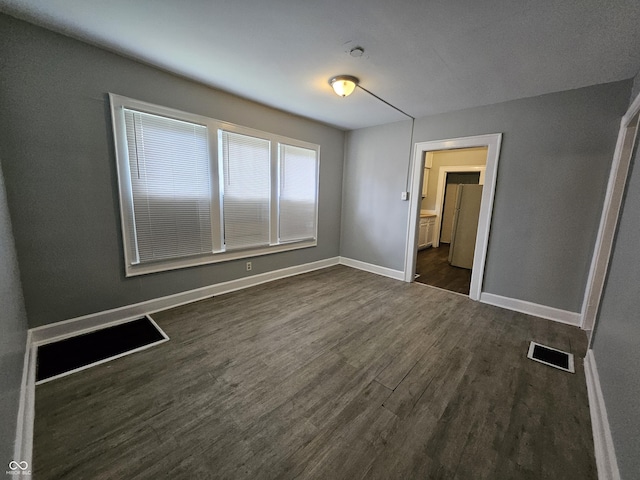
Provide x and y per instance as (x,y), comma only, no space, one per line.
(452,204)
(421,159)
(625,147)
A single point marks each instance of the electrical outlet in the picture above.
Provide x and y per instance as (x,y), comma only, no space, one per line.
(248,266)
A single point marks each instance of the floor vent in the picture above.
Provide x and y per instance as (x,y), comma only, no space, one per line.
(551,356)
(70,355)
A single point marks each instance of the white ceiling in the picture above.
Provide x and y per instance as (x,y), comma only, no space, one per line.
(423,56)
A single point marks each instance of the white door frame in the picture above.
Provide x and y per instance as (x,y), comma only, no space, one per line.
(610,213)
(442,180)
(492,142)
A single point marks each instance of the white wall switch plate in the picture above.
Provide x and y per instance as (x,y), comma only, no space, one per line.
(404,196)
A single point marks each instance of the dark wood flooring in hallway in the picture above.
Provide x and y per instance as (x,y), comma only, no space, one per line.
(434,269)
(334,374)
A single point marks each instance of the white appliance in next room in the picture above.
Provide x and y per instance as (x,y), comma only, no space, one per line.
(465,225)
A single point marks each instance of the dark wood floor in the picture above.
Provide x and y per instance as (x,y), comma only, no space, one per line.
(335,374)
(434,269)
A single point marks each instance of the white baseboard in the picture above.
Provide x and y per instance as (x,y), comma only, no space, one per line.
(75,326)
(602,439)
(550,313)
(23,447)
(371,268)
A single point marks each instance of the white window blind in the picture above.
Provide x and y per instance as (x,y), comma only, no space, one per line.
(195,190)
(247,190)
(170,184)
(298,193)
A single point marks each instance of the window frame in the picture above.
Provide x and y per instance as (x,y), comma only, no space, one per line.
(118,104)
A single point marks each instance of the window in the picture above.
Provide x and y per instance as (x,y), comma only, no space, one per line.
(196,190)
(169,175)
(246,164)
(297,193)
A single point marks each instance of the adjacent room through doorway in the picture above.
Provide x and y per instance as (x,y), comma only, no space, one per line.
(451,197)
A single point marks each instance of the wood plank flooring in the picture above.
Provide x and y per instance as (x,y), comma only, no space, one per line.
(334,374)
(433,267)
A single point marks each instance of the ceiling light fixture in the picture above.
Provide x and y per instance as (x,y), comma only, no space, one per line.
(343,85)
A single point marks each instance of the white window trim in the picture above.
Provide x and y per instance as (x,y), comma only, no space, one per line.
(118,103)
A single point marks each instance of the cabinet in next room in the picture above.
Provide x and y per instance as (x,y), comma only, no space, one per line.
(427,226)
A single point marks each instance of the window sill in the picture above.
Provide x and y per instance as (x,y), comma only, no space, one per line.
(175,264)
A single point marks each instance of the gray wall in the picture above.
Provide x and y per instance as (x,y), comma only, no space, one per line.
(617,337)
(13,334)
(554,164)
(61,176)
(374,219)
